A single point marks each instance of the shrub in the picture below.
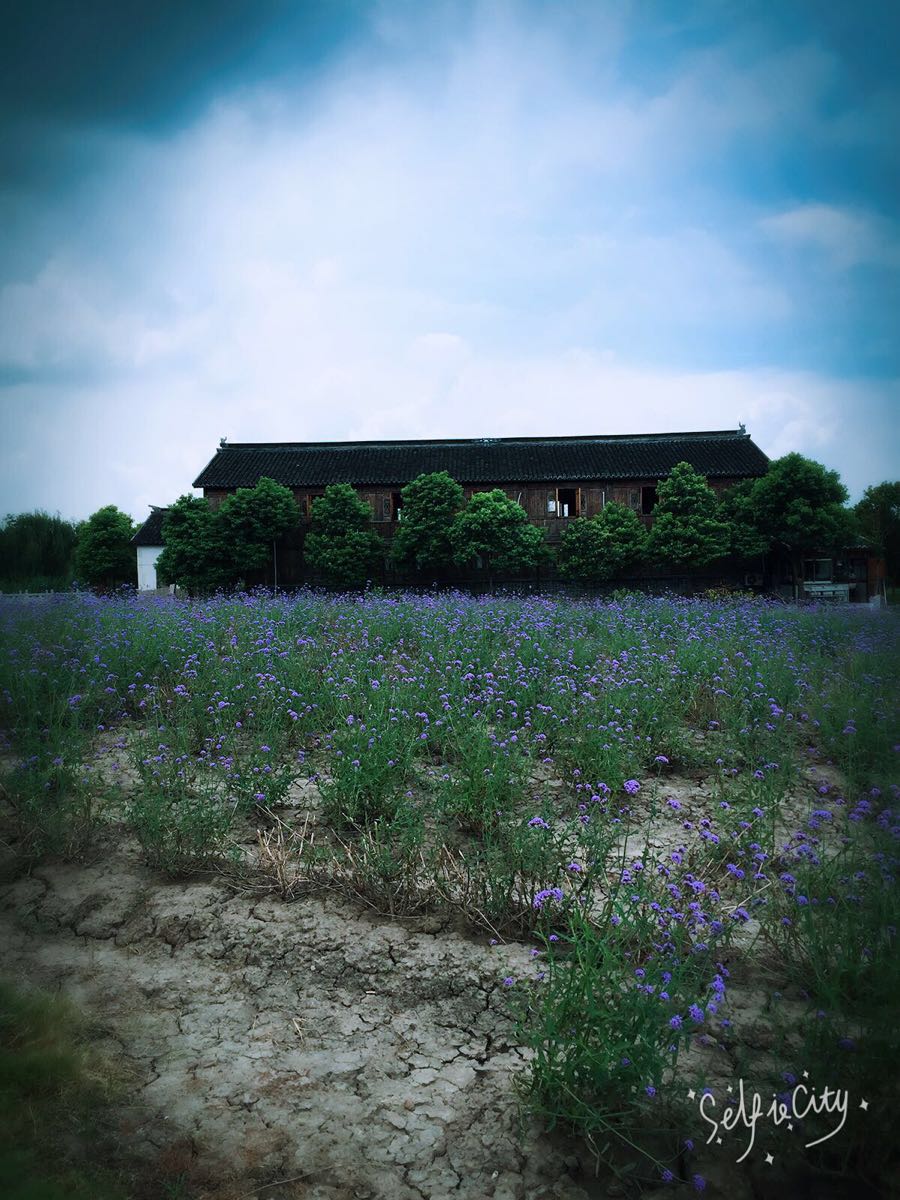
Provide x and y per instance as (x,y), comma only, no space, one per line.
(602,547)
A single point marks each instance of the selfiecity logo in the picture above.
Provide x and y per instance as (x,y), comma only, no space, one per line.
(744,1109)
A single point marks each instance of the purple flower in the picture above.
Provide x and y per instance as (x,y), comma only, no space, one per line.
(631,786)
(548,894)
(675,1022)
(508,981)
(697,1014)
(538,823)
(699,1183)
(661,758)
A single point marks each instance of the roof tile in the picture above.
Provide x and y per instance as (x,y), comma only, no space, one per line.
(728,453)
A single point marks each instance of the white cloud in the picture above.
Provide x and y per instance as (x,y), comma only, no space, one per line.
(846,237)
(496,240)
(138,443)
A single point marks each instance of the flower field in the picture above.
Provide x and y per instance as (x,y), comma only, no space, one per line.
(670,825)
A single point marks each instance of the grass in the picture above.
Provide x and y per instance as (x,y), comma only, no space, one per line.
(667,801)
(53,1104)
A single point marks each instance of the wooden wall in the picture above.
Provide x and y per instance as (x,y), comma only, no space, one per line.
(533,497)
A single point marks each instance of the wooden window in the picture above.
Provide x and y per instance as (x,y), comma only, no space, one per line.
(817,570)
(564,502)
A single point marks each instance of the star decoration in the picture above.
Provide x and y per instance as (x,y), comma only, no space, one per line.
(769,1159)
(718,1141)
(790,1124)
(806,1074)
(864,1105)
(692,1095)
(729,1088)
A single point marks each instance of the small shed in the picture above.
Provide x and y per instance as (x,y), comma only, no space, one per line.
(148,543)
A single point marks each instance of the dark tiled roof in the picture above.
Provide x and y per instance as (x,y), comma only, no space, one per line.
(150,533)
(484,460)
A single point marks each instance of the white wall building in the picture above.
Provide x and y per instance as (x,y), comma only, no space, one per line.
(149,546)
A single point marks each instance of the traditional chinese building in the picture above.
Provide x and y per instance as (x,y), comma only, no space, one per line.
(555,479)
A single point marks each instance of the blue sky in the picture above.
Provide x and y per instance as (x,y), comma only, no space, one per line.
(278,221)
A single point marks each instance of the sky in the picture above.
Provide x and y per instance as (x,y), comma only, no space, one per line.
(269,220)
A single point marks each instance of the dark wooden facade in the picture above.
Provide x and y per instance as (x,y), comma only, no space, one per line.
(555,480)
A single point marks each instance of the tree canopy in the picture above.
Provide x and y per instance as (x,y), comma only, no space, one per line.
(798,506)
(37,550)
(194,555)
(252,519)
(496,529)
(429,505)
(602,547)
(342,546)
(736,509)
(104,556)
(688,530)
(878,517)
(206,548)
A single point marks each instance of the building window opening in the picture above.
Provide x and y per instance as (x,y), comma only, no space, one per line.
(567,502)
(397,505)
(648,500)
(564,502)
(817,570)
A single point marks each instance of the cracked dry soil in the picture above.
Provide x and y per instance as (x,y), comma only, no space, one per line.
(308,1042)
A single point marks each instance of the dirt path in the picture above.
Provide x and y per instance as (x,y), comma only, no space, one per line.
(270,1041)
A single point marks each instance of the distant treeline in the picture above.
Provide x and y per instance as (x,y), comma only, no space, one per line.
(37,552)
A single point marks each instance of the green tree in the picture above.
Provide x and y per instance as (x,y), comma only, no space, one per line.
(430,504)
(104,556)
(602,547)
(194,553)
(497,530)
(687,528)
(798,506)
(736,509)
(37,551)
(342,546)
(878,518)
(252,520)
